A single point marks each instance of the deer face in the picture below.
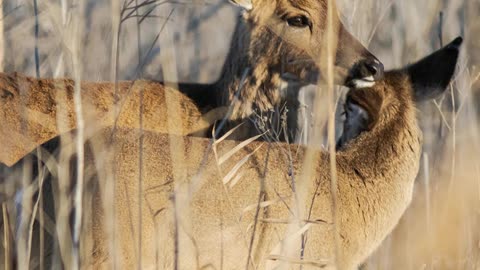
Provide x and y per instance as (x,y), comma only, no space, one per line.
(399,90)
(290,38)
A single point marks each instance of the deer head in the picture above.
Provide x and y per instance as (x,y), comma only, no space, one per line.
(279,41)
(426,79)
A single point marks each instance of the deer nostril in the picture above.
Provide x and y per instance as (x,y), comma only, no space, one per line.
(365,73)
(372,69)
(375,68)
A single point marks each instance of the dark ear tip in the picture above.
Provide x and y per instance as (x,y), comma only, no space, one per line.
(456,43)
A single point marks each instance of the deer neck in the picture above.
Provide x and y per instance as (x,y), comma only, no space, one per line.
(380,168)
(391,150)
(247,83)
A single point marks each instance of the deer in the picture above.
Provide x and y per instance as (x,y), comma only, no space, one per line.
(276,46)
(250,204)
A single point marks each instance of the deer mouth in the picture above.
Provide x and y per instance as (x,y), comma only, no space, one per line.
(361,83)
(364,74)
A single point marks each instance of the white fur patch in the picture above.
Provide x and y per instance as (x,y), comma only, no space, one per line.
(364,82)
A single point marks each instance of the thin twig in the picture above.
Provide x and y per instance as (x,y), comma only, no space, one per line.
(140,157)
(79,142)
(133,10)
(143,4)
(119,103)
(454,141)
(444,119)
(7,243)
(301,262)
(440,28)
(35,211)
(37,57)
(112,185)
(140,66)
(331,132)
(379,21)
(25,204)
(10,12)
(40,176)
(175,234)
(261,196)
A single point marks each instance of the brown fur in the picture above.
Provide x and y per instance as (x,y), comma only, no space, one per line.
(375,183)
(35,111)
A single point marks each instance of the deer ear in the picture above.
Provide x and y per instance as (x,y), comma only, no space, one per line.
(431,75)
(246,4)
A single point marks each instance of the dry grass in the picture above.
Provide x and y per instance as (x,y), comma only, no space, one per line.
(187,42)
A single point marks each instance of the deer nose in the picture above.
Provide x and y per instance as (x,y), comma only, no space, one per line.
(365,73)
(371,68)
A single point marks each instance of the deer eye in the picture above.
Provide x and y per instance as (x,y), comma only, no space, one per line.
(298,21)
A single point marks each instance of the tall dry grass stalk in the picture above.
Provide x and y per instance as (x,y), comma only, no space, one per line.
(2,38)
(177,148)
(80,138)
(331,49)
(6,232)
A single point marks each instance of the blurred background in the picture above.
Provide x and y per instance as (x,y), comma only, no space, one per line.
(441,230)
